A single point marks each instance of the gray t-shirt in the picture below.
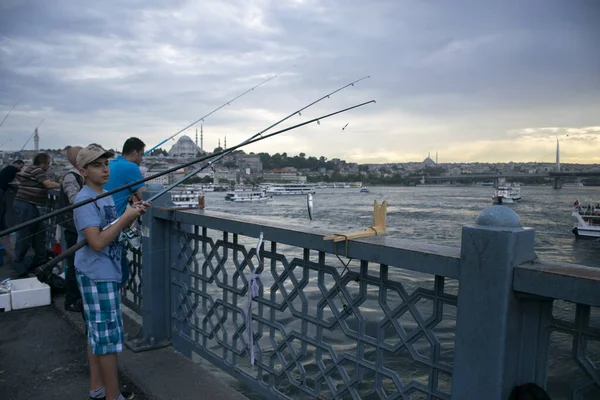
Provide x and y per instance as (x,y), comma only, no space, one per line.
(105,265)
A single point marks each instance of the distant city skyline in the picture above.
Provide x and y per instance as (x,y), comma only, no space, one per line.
(475,81)
(435,157)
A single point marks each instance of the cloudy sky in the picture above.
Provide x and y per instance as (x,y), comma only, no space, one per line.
(473,80)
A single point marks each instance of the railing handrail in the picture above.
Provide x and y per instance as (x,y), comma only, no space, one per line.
(556,280)
(416,256)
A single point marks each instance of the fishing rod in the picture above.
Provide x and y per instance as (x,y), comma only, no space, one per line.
(168,171)
(210,113)
(6,116)
(250,139)
(33,133)
(44,272)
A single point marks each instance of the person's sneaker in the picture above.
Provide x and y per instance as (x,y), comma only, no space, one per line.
(126,396)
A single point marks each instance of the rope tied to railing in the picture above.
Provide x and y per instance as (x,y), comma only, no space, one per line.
(253,292)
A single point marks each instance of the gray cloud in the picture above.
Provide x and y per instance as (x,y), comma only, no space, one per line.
(443,73)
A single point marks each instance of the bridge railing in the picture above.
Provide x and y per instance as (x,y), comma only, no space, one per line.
(374,318)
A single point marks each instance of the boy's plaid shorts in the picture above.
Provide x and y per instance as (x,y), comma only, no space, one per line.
(103,318)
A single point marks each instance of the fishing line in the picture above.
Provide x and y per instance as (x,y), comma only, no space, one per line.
(6,116)
(185,165)
(210,113)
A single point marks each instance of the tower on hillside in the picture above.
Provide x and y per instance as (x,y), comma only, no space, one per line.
(196,136)
(557,156)
(219,145)
(36,140)
(225,144)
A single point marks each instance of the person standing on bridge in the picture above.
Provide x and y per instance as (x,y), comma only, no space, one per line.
(125,169)
(99,272)
(31,202)
(71,184)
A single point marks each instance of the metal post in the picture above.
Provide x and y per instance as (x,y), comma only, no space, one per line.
(489,328)
(156,306)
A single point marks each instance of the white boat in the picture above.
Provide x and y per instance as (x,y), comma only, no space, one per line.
(573,184)
(506,194)
(242,197)
(290,189)
(186,198)
(588,220)
(364,190)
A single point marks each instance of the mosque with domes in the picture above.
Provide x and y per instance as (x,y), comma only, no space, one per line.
(185,148)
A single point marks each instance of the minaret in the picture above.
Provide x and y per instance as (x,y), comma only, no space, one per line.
(201,139)
(436,157)
(36,140)
(219,145)
(225,144)
(557,155)
(196,136)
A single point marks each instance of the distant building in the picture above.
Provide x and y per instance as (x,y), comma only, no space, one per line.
(428,162)
(185,148)
(283,175)
(163,180)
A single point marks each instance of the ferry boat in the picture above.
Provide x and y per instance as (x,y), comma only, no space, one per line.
(588,220)
(242,196)
(507,194)
(290,189)
(186,198)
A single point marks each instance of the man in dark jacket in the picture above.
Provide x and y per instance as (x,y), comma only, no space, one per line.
(71,184)
(7,175)
(30,202)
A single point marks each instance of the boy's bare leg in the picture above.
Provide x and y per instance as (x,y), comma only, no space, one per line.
(108,368)
(96,381)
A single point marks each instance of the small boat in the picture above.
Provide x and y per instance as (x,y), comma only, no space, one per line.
(364,190)
(507,194)
(242,197)
(588,220)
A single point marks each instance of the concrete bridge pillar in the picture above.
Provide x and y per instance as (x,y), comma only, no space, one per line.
(489,330)
(557,183)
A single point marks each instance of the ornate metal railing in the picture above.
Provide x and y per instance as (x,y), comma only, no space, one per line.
(355,326)
(131,291)
(568,326)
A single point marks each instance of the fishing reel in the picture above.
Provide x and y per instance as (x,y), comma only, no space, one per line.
(132,235)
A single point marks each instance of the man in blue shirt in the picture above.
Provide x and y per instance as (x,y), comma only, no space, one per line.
(125,169)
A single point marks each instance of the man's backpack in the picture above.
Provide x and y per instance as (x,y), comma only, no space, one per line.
(66,219)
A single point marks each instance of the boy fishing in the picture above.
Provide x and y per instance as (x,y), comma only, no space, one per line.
(99,272)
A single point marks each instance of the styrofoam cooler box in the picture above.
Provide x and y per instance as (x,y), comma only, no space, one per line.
(29,292)
(5,302)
